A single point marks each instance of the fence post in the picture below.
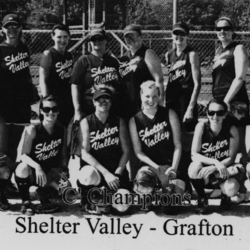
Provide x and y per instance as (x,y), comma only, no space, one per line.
(175,13)
(65,11)
(83,24)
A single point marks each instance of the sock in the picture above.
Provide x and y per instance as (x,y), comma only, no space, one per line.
(3,183)
(199,186)
(23,186)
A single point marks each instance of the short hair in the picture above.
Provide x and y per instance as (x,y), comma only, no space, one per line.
(60,26)
(149,85)
(219,102)
(48,98)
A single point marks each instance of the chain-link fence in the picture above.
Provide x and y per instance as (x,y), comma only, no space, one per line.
(205,42)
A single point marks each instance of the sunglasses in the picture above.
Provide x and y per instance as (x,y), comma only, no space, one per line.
(218,113)
(11,26)
(95,39)
(225,28)
(54,109)
(101,99)
(179,33)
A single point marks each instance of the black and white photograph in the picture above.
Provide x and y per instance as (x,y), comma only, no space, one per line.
(124,124)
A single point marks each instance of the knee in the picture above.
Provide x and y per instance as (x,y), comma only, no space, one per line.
(230,187)
(194,169)
(23,170)
(88,175)
(5,172)
(123,196)
(248,170)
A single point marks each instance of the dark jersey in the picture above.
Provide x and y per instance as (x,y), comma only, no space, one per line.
(156,136)
(59,85)
(60,73)
(89,72)
(105,145)
(224,74)
(46,149)
(15,83)
(179,73)
(216,147)
(134,71)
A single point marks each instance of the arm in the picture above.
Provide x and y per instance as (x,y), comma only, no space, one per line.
(137,145)
(196,74)
(233,148)
(241,66)
(64,160)
(24,150)
(154,65)
(44,70)
(176,129)
(125,147)
(76,97)
(111,180)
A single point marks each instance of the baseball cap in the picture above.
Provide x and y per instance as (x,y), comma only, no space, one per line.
(11,18)
(131,29)
(98,32)
(181,27)
(103,92)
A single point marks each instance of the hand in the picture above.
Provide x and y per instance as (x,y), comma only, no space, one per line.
(245,160)
(206,171)
(78,116)
(228,106)
(41,178)
(171,173)
(112,181)
(188,115)
(222,170)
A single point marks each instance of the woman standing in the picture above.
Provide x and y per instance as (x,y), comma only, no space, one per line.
(15,79)
(55,71)
(229,73)
(184,78)
(42,154)
(92,70)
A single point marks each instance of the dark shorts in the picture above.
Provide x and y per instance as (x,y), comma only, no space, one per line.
(180,105)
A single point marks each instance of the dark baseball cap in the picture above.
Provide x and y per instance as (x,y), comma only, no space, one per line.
(98,32)
(131,29)
(102,92)
(181,27)
(11,19)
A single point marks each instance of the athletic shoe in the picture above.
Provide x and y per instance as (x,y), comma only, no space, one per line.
(97,209)
(202,205)
(27,208)
(225,203)
(47,208)
(240,197)
(4,204)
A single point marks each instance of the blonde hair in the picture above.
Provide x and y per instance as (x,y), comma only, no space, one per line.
(149,85)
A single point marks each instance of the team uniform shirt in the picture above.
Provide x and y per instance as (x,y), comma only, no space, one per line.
(59,83)
(156,136)
(179,74)
(89,72)
(134,71)
(224,74)
(105,145)
(180,86)
(15,84)
(46,149)
(216,147)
